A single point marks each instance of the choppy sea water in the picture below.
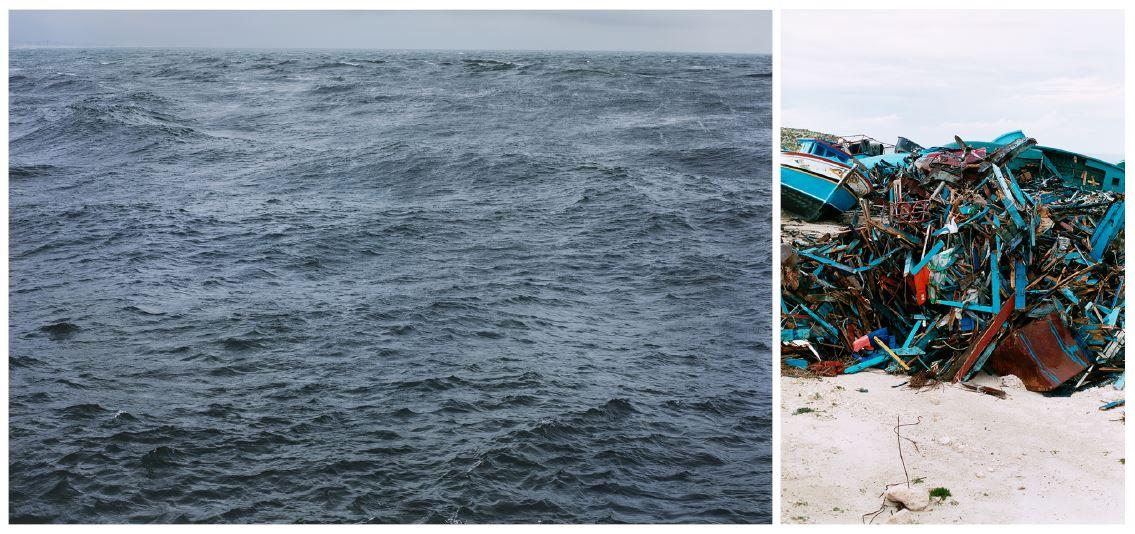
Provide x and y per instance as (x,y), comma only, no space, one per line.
(287,286)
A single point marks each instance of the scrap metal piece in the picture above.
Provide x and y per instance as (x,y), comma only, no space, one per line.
(999,393)
(1113,404)
(963,364)
(1043,354)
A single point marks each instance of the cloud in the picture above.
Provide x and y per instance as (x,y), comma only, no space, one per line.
(1057,75)
(672,31)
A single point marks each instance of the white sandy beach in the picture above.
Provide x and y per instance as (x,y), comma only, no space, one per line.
(1024,459)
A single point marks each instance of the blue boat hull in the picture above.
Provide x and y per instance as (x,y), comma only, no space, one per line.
(813,196)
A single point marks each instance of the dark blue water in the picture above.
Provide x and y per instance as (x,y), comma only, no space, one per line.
(283,286)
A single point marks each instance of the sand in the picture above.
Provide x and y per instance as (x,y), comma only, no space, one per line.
(1025,459)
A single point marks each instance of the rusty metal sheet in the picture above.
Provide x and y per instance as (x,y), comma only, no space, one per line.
(1043,354)
(962,365)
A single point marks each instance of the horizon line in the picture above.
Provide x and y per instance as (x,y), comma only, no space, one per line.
(15,46)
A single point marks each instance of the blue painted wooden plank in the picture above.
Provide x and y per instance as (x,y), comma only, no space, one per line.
(910,336)
(1021,281)
(828,261)
(1113,404)
(822,322)
(1007,199)
(1109,227)
(1069,295)
(1022,198)
(929,256)
(996,272)
(966,306)
(1114,315)
(1033,221)
(869,362)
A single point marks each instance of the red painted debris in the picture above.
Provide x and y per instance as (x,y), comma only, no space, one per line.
(827,368)
(921,281)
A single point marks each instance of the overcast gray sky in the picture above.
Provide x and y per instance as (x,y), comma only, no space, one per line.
(672,31)
(927,75)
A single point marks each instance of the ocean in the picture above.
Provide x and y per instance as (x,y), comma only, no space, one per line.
(379,286)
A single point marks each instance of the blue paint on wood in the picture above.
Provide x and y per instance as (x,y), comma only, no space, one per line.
(870,362)
(929,256)
(1110,225)
(797,362)
(822,322)
(1020,279)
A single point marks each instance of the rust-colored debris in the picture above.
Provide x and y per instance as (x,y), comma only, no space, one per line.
(1043,354)
(827,368)
(999,393)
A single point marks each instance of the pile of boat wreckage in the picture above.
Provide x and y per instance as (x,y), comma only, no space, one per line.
(1004,257)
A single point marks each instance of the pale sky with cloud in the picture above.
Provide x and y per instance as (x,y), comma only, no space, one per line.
(927,75)
(747,32)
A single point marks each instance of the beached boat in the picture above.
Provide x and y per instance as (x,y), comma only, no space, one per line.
(820,180)
(1074,169)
